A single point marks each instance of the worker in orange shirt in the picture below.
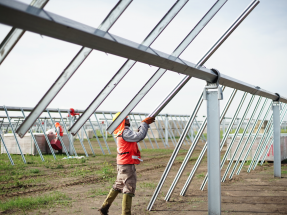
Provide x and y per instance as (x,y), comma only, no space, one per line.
(128,156)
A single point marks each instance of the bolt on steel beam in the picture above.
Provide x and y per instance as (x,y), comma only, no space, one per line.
(242,136)
(15,34)
(225,135)
(19,147)
(253,140)
(160,72)
(200,157)
(127,66)
(248,137)
(70,69)
(35,141)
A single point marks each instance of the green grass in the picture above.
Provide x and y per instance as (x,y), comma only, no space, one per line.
(34,171)
(28,203)
(200,176)
(147,185)
(284,171)
(283,130)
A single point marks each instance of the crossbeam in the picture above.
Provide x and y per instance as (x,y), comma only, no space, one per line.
(36,20)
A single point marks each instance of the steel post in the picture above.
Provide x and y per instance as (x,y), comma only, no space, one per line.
(96,136)
(276,139)
(213,153)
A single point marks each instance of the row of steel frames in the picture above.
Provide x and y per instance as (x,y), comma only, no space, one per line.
(163,121)
(212,93)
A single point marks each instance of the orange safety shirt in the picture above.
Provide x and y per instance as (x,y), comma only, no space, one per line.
(128,152)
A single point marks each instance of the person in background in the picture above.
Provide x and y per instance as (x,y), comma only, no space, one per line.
(128,155)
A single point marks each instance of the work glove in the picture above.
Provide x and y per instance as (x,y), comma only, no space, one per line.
(149,120)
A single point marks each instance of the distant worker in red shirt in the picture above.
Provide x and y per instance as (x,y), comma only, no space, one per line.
(128,156)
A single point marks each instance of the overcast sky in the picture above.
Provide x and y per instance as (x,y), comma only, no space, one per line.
(255,53)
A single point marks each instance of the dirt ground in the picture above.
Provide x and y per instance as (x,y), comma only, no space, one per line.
(257,192)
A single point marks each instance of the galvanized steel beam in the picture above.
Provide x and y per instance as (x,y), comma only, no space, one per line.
(49,24)
(126,68)
(160,72)
(71,68)
(15,34)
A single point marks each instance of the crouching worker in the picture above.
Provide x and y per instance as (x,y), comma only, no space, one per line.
(128,156)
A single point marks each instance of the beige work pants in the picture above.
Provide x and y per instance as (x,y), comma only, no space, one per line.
(126,178)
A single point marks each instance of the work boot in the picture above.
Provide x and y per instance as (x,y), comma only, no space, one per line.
(127,204)
(108,202)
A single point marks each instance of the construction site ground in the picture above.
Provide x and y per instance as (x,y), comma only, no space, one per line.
(80,186)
